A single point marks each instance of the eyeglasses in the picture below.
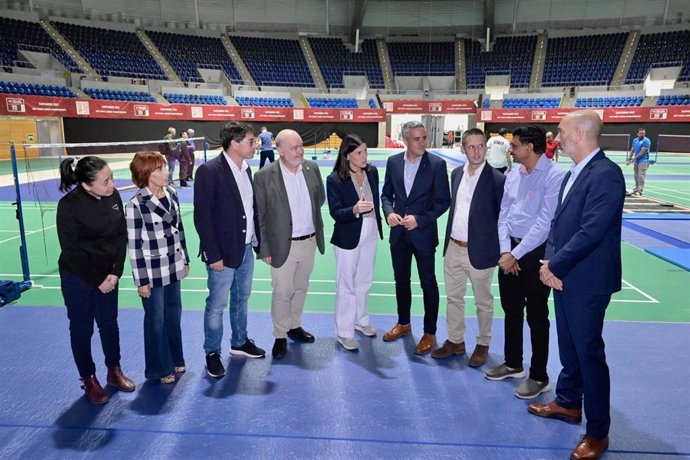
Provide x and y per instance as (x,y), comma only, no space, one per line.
(249,141)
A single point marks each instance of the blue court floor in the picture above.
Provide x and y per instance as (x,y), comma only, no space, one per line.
(323,402)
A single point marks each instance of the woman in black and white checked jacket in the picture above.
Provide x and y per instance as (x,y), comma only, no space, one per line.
(158,253)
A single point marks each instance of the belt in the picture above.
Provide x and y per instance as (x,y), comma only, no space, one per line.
(462,244)
(304,237)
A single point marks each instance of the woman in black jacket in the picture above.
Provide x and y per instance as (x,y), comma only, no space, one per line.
(93,242)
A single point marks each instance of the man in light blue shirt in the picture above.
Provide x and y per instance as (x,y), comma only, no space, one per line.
(266,148)
(529,202)
(639,155)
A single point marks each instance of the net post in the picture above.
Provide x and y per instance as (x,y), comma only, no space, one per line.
(205,148)
(24,257)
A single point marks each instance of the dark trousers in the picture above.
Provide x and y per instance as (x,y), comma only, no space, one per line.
(266,155)
(580,322)
(162,333)
(401,255)
(521,292)
(85,304)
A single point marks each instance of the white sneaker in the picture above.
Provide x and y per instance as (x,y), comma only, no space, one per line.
(348,344)
(366,330)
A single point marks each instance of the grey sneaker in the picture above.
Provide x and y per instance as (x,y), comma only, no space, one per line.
(369,331)
(531,389)
(348,344)
(503,372)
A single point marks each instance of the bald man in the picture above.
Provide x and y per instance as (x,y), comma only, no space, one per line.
(289,195)
(583,267)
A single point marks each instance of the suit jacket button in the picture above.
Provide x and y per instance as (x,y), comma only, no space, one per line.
(244,231)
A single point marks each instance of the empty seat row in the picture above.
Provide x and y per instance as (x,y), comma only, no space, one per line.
(119,95)
(619,101)
(531,103)
(9,87)
(674,99)
(204,99)
(264,101)
(332,103)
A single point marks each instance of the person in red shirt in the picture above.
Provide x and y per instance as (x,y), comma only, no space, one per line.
(552,147)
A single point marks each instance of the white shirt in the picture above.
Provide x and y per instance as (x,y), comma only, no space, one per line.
(246,193)
(463,199)
(497,149)
(300,201)
(575,171)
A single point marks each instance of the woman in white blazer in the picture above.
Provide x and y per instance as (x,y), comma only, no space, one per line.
(158,253)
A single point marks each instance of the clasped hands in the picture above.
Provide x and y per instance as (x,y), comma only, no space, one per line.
(409,221)
(549,278)
(509,264)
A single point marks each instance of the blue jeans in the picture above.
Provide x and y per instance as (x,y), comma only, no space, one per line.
(162,333)
(237,284)
(86,304)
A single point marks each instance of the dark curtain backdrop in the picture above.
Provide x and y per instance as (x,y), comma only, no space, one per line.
(102,130)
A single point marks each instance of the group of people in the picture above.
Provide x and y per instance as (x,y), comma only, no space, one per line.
(179,150)
(544,230)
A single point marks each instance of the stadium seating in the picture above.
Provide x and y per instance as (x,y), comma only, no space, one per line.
(31,36)
(372,104)
(335,60)
(510,56)
(10,87)
(586,60)
(186,53)
(621,101)
(112,52)
(273,61)
(195,99)
(674,99)
(332,103)
(660,49)
(119,95)
(264,101)
(532,103)
(418,58)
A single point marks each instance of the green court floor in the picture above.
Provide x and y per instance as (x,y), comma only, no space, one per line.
(652,289)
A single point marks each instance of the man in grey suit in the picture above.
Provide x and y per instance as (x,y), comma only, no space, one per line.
(289,195)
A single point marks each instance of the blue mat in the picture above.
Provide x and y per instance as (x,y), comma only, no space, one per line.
(676,256)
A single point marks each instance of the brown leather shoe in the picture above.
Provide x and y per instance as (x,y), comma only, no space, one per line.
(449,349)
(589,448)
(94,391)
(425,345)
(553,410)
(479,356)
(398,331)
(119,380)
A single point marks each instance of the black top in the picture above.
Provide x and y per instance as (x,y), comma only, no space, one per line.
(92,234)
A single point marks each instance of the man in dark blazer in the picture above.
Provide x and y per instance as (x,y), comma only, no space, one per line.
(583,267)
(415,194)
(471,248)
(289,196)
(225,218)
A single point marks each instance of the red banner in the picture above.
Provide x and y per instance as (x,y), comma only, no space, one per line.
(609,115)
(36,106)
(431,107)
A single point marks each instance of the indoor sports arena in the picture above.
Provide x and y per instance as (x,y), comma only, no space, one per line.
(531,156)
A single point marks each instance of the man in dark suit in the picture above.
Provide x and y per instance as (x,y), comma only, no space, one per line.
(583,267)
(415,193)
(225,218)
(289,196)
(471,248)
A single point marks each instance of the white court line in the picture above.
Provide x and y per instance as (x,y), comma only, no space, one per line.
(652,299)
(26,234)
(656,188)
(669,195)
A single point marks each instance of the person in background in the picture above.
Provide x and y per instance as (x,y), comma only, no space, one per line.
(93,246)
(498,154)
(169,149)
(266,147)
(353,202)
(159,258)
(639,156)
(552,147)
(191,151)
(184,159)
(415,194)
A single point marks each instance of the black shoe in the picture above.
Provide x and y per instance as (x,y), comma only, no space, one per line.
(300,335)
(279,348)
(214,367)
(249,349)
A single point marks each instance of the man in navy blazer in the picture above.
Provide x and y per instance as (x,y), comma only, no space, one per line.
(225,217)
(415,194)
(584,269)
(471,248)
